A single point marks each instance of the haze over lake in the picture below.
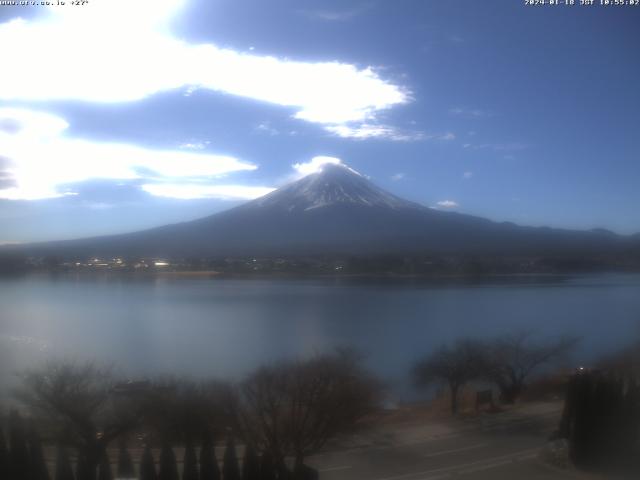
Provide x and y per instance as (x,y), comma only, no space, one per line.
(226,327)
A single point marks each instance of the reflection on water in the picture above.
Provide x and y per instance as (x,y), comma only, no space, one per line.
(225,327)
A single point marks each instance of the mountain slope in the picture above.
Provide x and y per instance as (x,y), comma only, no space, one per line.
(336,211)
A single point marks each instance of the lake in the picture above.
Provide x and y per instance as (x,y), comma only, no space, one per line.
(226,327)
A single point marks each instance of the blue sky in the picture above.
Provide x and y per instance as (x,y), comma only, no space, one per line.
(117,116)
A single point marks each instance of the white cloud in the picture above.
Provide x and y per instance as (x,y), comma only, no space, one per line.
(447,204)
(507,147)
(469,113)
(265,127)
(40,159)
(195,145)
(187,191)
(368,130)
(315,164)
(398,176)
(99,205)
(121,51)
(338,15)
(467,175)
(498,147)
(334,16)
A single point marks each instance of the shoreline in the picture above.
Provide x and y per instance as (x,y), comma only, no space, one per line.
(436,279)
(295,275)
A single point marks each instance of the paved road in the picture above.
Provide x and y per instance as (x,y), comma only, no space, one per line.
(500,448)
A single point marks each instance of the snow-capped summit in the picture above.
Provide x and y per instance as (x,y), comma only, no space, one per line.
(334,184)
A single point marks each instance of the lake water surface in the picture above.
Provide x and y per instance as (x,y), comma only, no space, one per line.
(226,327)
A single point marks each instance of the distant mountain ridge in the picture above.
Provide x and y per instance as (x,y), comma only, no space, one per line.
(337,211)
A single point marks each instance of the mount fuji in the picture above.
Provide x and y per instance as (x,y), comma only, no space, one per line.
(337,211)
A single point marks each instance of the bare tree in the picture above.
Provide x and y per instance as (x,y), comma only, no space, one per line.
(77,401)
(453,365)
(294,409)
(511,359)
(327,397)
(259,406)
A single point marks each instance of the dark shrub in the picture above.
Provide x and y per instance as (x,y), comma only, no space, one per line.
(125,463)
(250,464)
(19,459)
(230,468)
(190,463)
(267,467)
(147,465)
(104,468)
(601,421)
(209,469)
(168,465)
(63,465)
(39,469)
(4,457)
